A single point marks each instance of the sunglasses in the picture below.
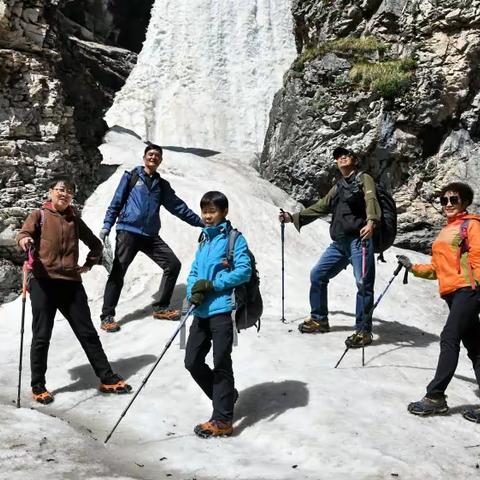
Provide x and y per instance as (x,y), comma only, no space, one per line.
(454,200)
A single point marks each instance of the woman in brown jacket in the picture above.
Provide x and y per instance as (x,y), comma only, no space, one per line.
(53,233)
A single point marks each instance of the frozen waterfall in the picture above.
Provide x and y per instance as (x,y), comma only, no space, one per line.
(207,73)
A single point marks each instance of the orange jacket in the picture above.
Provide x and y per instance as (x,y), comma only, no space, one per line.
(453,270)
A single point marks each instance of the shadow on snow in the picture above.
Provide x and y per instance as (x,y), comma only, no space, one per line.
(268,401)
(84,377)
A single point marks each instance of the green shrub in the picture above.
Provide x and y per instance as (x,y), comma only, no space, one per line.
(355,47)
(387,78)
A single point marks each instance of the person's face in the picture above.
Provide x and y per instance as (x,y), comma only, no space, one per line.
(345,162)
(452,204)
(152,159)
(61,196)
(212,215)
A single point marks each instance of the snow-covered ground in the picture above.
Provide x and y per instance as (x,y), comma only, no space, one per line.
(297,417)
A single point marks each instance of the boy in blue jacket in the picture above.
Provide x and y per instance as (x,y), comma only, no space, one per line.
(209,287)
(136,209)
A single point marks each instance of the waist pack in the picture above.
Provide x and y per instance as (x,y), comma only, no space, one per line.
(248,299)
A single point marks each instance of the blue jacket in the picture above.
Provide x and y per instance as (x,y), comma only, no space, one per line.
(208,265)
(140,212)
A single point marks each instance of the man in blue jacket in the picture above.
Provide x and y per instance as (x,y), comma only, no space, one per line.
(135,207)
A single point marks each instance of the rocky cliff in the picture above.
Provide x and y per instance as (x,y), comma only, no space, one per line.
(61,63)
(398,82)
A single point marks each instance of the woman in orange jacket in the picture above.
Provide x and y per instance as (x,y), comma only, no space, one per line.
(456,265)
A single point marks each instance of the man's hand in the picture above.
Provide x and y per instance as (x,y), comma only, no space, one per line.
(285,217)
(104,233)
(82,270)
(405,261)
(367,231)
(25,243)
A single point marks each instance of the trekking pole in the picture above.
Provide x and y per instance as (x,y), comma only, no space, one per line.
(144,381)
(26,267)
(364,269)
(395,273)
(282,239)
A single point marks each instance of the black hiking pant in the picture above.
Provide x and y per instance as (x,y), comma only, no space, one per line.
(127,246)
(47,296)
(218,384)
(462,326)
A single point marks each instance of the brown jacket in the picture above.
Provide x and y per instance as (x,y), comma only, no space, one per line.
(56,243)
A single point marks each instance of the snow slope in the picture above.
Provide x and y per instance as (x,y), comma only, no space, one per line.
(207,73)
(297,417)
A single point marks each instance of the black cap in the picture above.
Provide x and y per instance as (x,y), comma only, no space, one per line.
(339,151)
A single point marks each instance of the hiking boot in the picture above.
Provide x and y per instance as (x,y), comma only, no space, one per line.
(167,313)
(429,406)
(314,326)
(42,395)
(359,339)
(109,324)
(214,428)
(114,384)
(472,414)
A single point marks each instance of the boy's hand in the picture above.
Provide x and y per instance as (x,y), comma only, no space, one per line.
(199,290)
(197,298)
(202,286)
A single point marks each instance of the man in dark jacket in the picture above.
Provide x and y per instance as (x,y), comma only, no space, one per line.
(355,211)
(135,207)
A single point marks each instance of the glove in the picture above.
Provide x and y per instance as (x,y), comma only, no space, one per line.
(405,261)
(104,233)
(202,286)
(197,298)
(199,290)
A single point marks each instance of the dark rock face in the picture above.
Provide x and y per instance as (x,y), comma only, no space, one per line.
(414,141)
(60,67)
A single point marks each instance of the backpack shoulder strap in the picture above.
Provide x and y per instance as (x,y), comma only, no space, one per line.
(233,234)
(464,247)
(131,183)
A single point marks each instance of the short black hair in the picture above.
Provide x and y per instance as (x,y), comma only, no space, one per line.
(152,146)
(68,182)
(339,151)
(217,199)
(464,190)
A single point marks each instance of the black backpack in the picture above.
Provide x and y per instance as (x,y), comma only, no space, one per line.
(248,299)
(385,233)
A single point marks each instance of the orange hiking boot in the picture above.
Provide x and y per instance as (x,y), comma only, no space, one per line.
(167,314)
(214,428)
(42,395)
(108,324)
(114,384)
